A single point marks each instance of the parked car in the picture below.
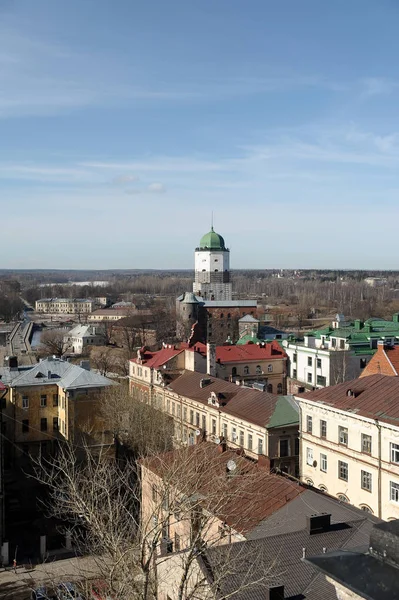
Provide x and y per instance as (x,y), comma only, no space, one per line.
(68,591)
(40,593)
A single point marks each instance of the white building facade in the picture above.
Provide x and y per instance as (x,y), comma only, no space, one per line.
(212,268)
(351,457)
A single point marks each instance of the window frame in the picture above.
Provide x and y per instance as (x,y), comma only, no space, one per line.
(309,424)
(366,481)
(343,435)
(309,456)
(323,462)
(369,443)
(323,429)
(393,485)
(392,451)
(343,468)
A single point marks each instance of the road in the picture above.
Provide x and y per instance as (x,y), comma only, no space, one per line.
(18,585)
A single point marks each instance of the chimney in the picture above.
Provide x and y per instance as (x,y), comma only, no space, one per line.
(211,359)
(48,374)
(318,523)
(275,593)
(11,362)
(358,324)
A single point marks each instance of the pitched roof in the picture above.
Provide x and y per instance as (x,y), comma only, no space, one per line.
(246,403)
(249,352)
(83,331)
(278,561)
(375,397)
(384,362)
(249,497)
(158,358)
(248,319)
(60,372)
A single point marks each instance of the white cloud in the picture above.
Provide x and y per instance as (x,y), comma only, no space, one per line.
(125,179)
(156,188)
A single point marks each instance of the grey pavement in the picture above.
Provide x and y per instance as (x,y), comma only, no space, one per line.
(20,582)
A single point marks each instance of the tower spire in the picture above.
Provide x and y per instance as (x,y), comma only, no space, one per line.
(212,221)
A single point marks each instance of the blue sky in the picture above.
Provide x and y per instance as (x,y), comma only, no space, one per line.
(123,124)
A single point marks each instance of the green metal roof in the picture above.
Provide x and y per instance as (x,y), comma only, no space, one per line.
(248,338)
(212,241)
(285,413)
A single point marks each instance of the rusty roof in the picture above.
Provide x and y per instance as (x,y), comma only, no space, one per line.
(375,397)
(245,403)
(248,497)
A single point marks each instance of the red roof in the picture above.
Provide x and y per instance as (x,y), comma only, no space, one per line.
(384,362)
(374,397)
(249,352)
(157,359)
(243,501)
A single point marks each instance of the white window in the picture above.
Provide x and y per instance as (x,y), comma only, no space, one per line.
(309,456)
(394,491)
(270,368)
(260,446)
(366,481)
(323,462)
(25,402)
(343,435)
(249,441)
(395,453)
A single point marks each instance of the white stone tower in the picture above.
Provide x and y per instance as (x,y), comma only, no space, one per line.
(212,268)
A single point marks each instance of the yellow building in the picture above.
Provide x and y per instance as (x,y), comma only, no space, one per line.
(51,401)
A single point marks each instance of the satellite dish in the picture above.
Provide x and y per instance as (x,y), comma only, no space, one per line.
(217,440)
(197,432)
(231,465)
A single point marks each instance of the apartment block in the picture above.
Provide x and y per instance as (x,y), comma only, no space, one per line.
(349,438)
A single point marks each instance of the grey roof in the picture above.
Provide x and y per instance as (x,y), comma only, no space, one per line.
(83,331)
(63,373)
(248,319)
(190,298)
(292,516)
(278,558)
(8,375)
(373,574)
(229,303)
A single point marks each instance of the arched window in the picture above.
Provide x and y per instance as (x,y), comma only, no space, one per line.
(366,508)
(323,488)
(270,368)
(228,315)
(234,371)
(309,482)
(216,270)
(343,498)
(258,370)
(221,315)
(246,370)
(279,388)
(270,388)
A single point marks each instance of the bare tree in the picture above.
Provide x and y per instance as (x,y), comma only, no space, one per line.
(139,427)
(103,359)
(53,342)
(122,514)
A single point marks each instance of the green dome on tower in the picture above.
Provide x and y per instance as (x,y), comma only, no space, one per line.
(212,241)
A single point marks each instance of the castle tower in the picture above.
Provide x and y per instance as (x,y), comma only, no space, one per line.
(212,268)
